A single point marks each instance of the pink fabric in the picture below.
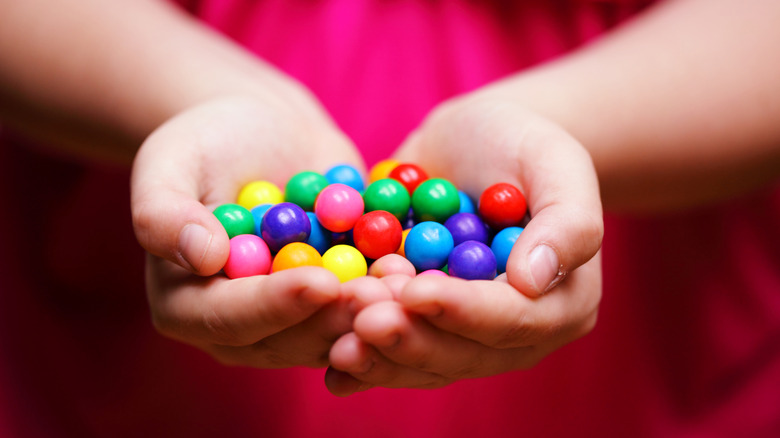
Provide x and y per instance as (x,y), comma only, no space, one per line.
(688,341)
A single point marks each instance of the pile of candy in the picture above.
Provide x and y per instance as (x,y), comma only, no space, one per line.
(331,221)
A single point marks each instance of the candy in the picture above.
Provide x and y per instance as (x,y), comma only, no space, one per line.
(428,245)
(285,223)
(302,189)
(502,245)
(235,219)
(338,207)
(410,175)
(377,233)
(467,226)
(434,272)
(472,260)
(404,233)
(259,192)
(345,261)
(502,205)
(436,200)
(319,237)
(249,255)
(294,255)
(258,213)
(382,169)
(466,204)
(389,195)
(347,175)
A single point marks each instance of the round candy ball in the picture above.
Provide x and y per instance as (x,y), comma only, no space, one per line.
(408,174)
(502,245)
(258,213)
(436,200)
(400,250)
(434,272)
(235,219)
(382,169)
(502,205)
(319,237)
(338,207)
(467,226)
(294,255)
(259,192)
(345,261)
(302,189)
(345,174)
(285,223)
(389,195)
(249,255)
(377,233)
(428,245)
(466,204)
(472,260)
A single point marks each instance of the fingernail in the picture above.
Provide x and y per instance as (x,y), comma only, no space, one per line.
(544,266)
(194,242)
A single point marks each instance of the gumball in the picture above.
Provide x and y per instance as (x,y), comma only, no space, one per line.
(404,233)
(235,219)
(466,204)
(319,237)
(382,169)
(502,205)
(285,223)
(345,261)
(472,260)
(410,175)
(345,174)
(259,192)
(249,255)
(389,195)
(258,213)
(294,255)
(436,200)
(338,207)
(502,245)
(428,245)
(434,272)
(467,226)
(302,189)
(377,233)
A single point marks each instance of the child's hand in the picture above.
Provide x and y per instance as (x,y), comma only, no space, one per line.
(198,160)
(439,330)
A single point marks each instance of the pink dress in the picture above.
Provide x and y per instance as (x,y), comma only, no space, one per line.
(687,344)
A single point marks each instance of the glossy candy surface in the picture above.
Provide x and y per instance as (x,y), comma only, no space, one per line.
(345,261)
(338,207)
(294,255)
(382,169)
(436,200)
(467,226)
(472,260)
(235,219)
(502,205)
(259,192)
(258,213)
(428,245)
(302,189)
(466,204)
(285,223)
(347,175)
(434,272)
(319,236)
(249,255)
(389,195)
(377,233)
(502,245)
(408,174)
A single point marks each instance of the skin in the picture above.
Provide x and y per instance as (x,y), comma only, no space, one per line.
(593,130)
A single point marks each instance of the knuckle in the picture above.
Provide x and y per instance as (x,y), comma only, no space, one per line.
(219,331)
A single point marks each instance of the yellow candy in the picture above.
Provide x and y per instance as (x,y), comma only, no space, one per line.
(345,261)
(294,255)
(404,233)
(382,169)
(259,192)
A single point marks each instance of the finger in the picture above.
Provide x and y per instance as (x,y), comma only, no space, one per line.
(342,384)
(392,264)
(493,313)
(363,291)
(239,312)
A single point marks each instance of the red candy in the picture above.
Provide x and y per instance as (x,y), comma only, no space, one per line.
(377,233)
(502,205)
(410,175)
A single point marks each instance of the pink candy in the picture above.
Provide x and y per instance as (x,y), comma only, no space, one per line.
(249,255)
(338,207)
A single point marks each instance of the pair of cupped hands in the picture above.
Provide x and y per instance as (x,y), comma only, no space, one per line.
(390,328)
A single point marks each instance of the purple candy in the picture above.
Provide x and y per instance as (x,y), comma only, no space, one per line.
(285,223)
(467,226)
(472,260)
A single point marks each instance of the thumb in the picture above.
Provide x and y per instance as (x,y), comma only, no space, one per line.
(169,220)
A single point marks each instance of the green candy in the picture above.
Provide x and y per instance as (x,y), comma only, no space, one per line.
(389,195)
(435,199)
(235,219)
(302,189)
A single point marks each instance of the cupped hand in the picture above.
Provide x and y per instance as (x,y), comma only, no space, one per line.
(198,160)
(438,330)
